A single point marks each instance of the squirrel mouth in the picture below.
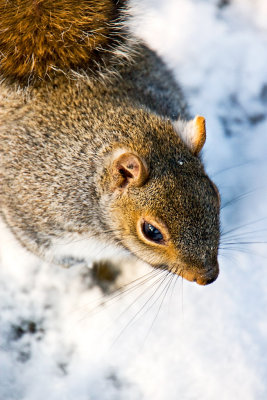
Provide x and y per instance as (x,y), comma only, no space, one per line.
(205,277)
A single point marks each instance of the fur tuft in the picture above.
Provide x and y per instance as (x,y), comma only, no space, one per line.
(40,37)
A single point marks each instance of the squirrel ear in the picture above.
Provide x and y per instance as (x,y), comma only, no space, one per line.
(128,169)
(193,133)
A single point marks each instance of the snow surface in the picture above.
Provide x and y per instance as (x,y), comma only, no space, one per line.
(60,338)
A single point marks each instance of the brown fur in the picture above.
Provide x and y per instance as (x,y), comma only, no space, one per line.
(40,37)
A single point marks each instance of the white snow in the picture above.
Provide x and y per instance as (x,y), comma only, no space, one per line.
(163,339)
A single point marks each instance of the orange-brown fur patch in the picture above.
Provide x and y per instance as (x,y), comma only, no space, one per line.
(200,133)
(39,36)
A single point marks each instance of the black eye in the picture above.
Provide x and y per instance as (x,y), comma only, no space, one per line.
(152,233)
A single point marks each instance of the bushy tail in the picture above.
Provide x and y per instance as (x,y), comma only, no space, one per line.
(40,37)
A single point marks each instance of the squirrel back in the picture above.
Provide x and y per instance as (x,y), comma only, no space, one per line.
(114,161)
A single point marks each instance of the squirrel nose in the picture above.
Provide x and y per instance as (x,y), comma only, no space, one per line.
(210,280)
(209,276)
(203,275)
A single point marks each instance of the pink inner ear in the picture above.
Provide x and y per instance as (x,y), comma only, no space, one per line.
(133,168)
(129,169)
(126,175)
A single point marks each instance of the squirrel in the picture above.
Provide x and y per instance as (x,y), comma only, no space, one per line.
(97,145)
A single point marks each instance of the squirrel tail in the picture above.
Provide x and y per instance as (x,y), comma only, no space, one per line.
(41,37)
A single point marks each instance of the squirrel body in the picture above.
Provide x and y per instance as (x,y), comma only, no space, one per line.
(109,160)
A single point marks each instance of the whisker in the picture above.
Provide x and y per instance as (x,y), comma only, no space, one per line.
(183,298)
(103,300)
(166,288)
(251,242)
(242,250)
(243,226)
(243,234)
(232,167)
(129,323)
(174,280)
(240,197)
(231,257)
(160,280)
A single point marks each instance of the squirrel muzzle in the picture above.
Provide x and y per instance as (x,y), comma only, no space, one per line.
(203,275)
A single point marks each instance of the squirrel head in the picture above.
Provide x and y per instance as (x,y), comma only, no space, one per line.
(164,207)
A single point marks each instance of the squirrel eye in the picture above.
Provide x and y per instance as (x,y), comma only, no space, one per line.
(152,233)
